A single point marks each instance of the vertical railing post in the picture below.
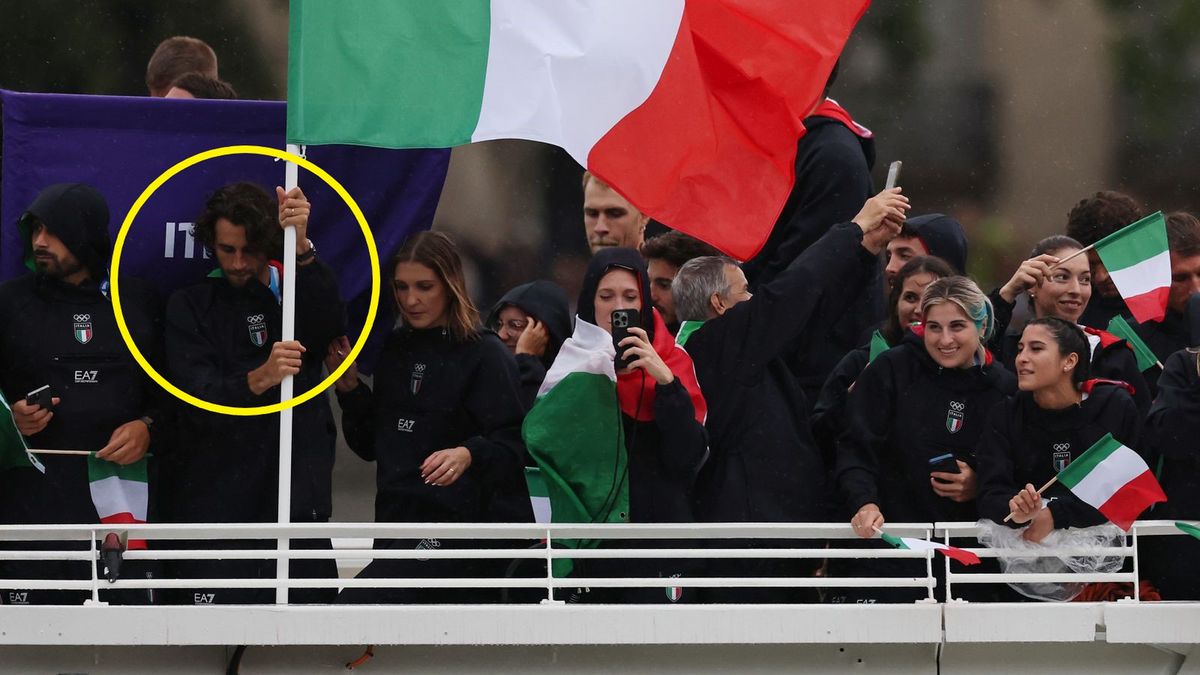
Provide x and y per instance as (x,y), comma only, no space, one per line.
(95,565)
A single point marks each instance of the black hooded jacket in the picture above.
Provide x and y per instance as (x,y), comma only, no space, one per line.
(942,236)
(58,334)
(226,468)
(1170,436)
(666,453)
(904,411)
(1024,443)
(765,465)
(1164,338)
(546,302)
(433,393)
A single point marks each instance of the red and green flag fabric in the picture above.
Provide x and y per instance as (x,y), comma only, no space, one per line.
(1146,358)
(575,434)
(14,452)
(119,492)
(1138,260)
(1115,480)
(691,109)
(913,544)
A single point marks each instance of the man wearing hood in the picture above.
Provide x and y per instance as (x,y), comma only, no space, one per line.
(57,328)
(532,320)
(223,345)
(931,234)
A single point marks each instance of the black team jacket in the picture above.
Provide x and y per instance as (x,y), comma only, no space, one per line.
(432,393)
(226,468)
(764,464)
(1024,443)
(904,411)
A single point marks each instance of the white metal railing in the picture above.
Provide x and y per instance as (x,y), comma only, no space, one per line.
(351,542)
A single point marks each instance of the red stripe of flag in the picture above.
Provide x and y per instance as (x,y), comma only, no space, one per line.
(1150,306)
(711,152)
(1131,500)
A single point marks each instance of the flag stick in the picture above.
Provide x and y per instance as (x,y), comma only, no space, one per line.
(1042,489)
(1076,253)
(291,179)
(81,453)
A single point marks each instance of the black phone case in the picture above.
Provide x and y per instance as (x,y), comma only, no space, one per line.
(42,397)
(622,321)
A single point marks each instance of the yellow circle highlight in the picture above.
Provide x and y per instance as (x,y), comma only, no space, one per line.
(116,296)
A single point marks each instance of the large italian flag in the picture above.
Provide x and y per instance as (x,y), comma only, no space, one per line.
(689,108)
(575,434)
(1138,260)
(1115,480)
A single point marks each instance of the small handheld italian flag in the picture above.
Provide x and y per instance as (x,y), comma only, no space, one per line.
(119,493)
(879,345)
(913,544)
(1138,260)
(1189,528)
(1115,480)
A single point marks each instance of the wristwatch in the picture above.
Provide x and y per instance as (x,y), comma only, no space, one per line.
(309,254)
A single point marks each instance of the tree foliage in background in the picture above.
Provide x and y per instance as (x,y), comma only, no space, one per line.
(1155,58)
(101,47)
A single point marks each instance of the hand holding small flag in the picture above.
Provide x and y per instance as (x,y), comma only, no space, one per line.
(913,544)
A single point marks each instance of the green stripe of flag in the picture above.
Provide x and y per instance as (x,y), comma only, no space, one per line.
(99,469)
(878,346)
(1189,528)
(685,331)
(14,452)
(413,70)
(1135,243)
(1081,467)
(894,541)
(1146,358)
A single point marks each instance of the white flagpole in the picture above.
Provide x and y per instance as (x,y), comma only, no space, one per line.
(290,180)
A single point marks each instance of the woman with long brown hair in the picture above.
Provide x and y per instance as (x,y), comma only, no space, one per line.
(443,423)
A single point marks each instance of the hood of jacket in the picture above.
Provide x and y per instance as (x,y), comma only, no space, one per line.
(942,236)
(600,264)
(78,215)
(544,301)
(831,112)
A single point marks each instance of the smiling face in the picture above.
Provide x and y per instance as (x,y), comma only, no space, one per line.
(618,289)
(1040,363)
(1066,293)
(951,337)
(421,295)
(908,305)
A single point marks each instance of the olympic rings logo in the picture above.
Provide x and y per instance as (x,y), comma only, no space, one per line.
(957,407)
(257,318)
(83,317)
(1062,447)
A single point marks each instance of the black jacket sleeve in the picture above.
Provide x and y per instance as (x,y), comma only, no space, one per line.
(531,373)
(994,466)
(829,274)
(493,400)
(870,410)
(320,312)
(684,442)
(1003,312)
(358,420)
(829,414)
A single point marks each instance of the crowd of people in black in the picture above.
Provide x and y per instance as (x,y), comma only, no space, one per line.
(852,372)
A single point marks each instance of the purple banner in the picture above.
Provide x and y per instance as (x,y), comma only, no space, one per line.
(120,144)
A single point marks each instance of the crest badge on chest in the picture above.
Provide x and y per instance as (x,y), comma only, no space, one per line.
(256,325)
(418,374)
(954,416)
(83,328)
(1061,456)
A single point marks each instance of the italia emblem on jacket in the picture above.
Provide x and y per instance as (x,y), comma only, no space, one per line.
(1061,456)
(83,328)
(257,327)
(418,373)
(954,416)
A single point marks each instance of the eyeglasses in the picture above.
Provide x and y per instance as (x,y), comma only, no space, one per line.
(513,325)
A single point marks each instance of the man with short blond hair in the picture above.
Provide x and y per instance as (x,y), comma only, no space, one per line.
(608,218)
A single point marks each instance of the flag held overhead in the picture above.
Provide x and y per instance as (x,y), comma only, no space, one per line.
(1138,260)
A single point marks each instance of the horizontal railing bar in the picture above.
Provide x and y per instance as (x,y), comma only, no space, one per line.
(483,583)
(1041,577)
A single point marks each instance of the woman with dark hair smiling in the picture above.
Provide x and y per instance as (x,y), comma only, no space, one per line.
(443,423)
(1057,415)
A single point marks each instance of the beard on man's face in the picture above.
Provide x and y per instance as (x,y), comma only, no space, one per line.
(54,267)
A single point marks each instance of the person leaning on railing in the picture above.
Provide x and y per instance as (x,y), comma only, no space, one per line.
(1170,436)
(915,417)
(1055,417)
(443,425)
